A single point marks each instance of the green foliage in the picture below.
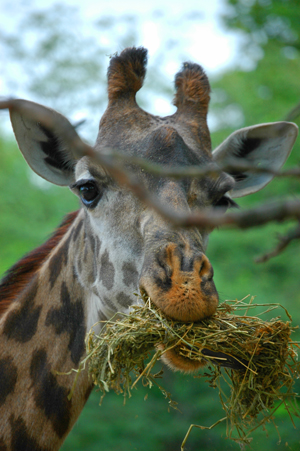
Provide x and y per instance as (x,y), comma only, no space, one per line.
(30,209)
(270,94)
(263,20)
(244,89)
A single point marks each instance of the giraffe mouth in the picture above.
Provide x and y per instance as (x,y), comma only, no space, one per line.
(183,302)
(177,362)
(185,296)
(174,359)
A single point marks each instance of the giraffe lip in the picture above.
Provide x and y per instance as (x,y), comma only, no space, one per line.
(185,364)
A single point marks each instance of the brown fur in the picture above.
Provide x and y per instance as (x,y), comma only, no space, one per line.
(20,274)
(41,339)
(126,73)
(177,362)
(192,101)
(186,296)
(192,85)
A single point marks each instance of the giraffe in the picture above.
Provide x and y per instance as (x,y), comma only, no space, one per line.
(114,245)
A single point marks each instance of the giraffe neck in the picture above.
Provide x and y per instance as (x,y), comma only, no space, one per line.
(42,334)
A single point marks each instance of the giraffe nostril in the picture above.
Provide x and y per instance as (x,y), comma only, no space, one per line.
(211,274)
(201,268)
(206,269)
(163,263)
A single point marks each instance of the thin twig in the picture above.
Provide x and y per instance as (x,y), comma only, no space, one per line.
(195,171)
(284,241)
(200,427)
(276,211)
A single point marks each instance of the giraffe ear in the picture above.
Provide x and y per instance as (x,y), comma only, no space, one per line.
(266,145)
(44,137)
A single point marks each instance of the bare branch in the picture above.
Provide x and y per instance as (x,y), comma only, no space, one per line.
(109,157)
(276,211)
(284,241)
(212,169)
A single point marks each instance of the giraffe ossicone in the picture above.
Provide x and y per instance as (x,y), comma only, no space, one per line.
(114,245)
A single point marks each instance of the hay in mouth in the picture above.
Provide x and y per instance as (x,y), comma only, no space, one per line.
(259,357)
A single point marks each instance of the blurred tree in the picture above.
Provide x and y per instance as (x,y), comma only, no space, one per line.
(62,66)
(242,98)
(63,62)
(270,44)
(269,27)
(267,20)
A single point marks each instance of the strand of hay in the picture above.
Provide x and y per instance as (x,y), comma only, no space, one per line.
(262,351)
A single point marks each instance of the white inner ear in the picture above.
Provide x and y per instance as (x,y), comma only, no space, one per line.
(267,145)
(32,151)
(57,166)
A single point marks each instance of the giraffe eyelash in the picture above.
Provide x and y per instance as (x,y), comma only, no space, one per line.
(226,202)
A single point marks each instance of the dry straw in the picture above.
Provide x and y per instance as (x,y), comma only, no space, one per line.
(262,352)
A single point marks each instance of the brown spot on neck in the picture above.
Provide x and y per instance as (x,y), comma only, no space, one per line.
(18,277)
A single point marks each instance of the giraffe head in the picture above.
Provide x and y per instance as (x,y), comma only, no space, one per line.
(122,246)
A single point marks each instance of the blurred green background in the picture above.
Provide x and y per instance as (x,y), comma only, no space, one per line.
(265,89)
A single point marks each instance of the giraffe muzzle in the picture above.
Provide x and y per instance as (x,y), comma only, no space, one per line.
(180,283)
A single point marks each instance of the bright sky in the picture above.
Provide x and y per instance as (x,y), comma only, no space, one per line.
(193,25)
(204,39)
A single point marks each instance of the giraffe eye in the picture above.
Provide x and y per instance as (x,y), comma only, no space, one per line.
(89,193)
(225,203)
